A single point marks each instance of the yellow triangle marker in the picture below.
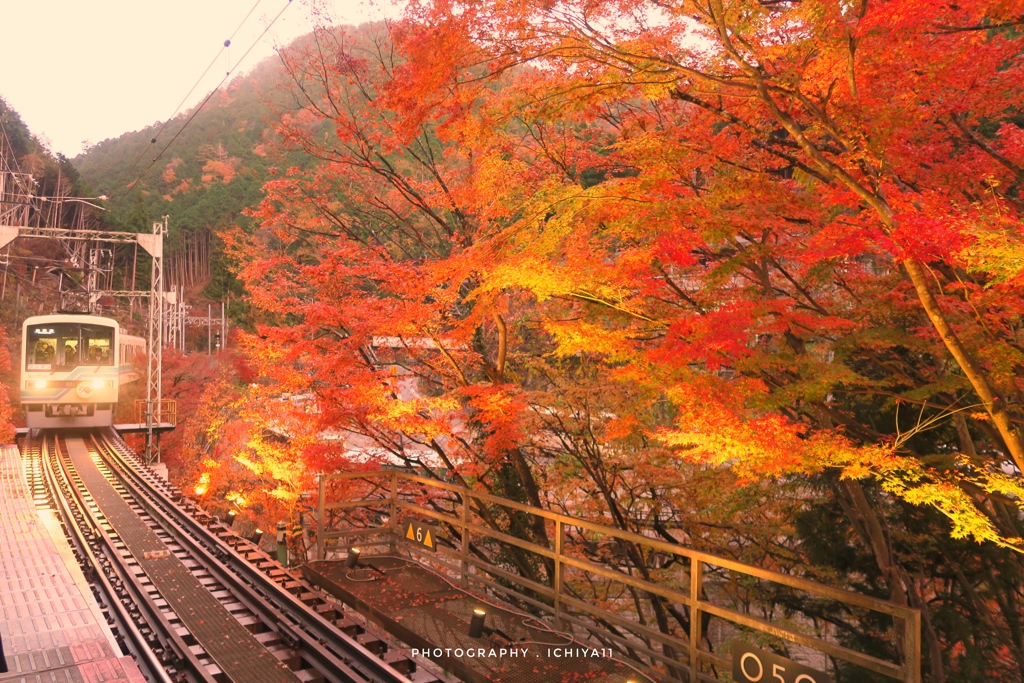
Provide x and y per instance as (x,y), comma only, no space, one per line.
(409,534)
(427,541)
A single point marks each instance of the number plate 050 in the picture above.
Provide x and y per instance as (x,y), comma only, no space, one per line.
(754,665)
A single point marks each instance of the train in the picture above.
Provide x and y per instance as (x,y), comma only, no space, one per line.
(73,367)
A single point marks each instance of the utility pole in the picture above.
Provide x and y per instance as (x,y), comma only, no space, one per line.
(209,329)
(6,264)
(183,313)
(223,327)
(154,244)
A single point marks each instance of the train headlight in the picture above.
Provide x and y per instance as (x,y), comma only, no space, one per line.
(98,383)
(39,384)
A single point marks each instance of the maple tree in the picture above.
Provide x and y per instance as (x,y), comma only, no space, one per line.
(851,172)
(230,453)
(789,143)
(560,251)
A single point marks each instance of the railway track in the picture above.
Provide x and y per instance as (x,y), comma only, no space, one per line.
(130,611)
(189,599)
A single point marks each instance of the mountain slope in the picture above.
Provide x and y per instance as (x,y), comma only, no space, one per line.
(211,169)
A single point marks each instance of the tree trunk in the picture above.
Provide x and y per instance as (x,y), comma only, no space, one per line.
(974,373)
(993,403)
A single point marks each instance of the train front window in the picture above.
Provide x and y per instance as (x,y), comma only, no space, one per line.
(41,347)
(96,346)
(67,345)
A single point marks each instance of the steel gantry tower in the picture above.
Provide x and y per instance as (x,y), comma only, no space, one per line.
(153,244)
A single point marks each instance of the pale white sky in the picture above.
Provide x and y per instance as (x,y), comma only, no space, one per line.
(93,69)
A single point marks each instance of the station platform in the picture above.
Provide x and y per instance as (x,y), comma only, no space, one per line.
(51,626)
(421,608)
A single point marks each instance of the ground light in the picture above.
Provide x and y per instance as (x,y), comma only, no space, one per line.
(256,536)
(352,561)
(476,624)
(231,517)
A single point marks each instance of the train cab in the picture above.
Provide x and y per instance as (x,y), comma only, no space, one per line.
(72,367)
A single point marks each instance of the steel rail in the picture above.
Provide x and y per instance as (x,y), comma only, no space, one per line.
(333,651)
(124,623)
(155,618)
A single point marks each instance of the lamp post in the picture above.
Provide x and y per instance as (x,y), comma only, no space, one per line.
(282,544)
(476,624)
(78,200)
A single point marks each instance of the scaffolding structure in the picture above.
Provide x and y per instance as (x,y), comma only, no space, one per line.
(153,245)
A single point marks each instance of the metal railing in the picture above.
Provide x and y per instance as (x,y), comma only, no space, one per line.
(165,411)
(394,495)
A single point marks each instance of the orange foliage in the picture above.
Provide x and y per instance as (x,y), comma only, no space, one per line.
(734,258)
(586,254)
(169,175)
(225,170)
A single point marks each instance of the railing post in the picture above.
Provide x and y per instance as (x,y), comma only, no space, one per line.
(394,511)
(558,574)
(321,523)
(912,647)
(464,551)
(696,623)
(282,544)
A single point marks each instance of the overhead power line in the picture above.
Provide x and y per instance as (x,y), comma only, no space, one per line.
(202,104)
(191,90)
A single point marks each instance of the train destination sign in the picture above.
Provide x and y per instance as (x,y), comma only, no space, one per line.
(754,665)
(421,534)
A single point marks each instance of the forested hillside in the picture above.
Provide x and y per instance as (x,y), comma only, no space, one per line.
(205,173)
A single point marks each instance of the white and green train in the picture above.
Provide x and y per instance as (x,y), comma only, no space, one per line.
(72,366)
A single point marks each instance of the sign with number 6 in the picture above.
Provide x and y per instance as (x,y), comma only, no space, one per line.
(754,665)
(421,534)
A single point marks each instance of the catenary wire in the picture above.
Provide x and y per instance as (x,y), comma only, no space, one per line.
(153,141)
(191,90)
